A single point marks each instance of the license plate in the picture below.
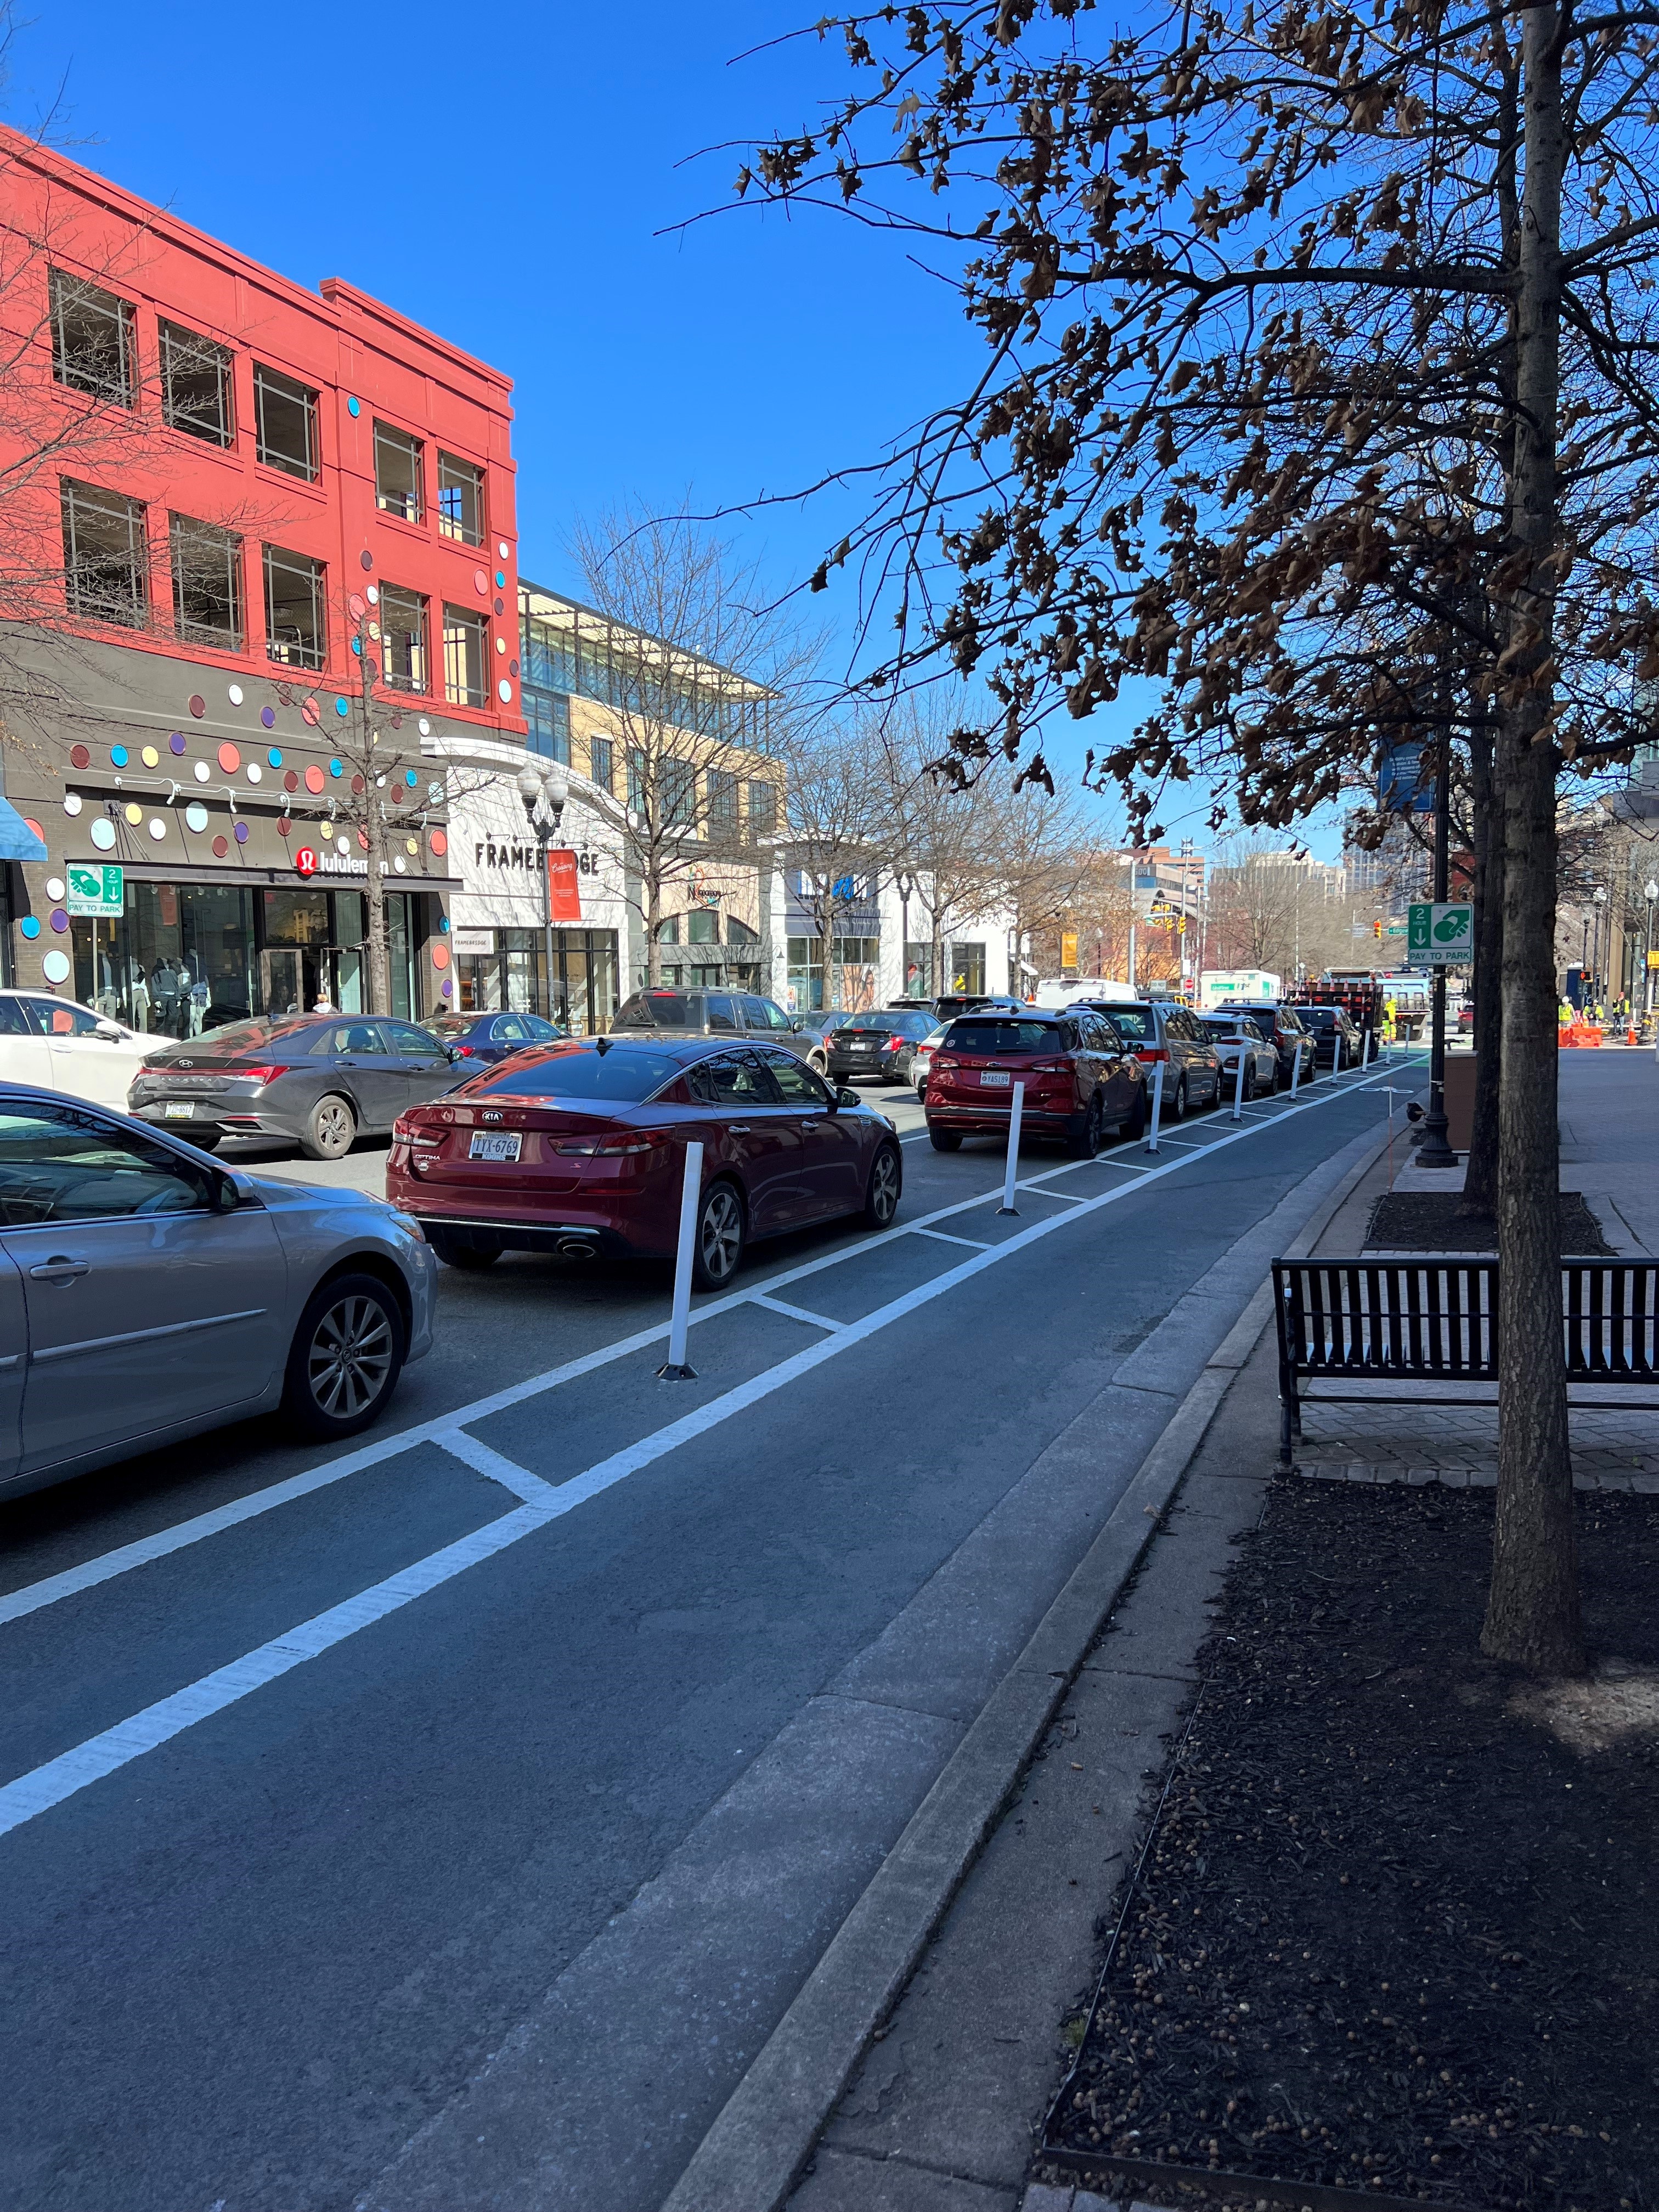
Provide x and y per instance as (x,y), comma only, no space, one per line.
(493,1148)
(178,1110)
(990,1082)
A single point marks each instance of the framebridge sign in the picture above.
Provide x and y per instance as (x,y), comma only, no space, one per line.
(1440,935)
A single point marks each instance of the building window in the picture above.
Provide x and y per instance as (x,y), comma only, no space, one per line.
(968,968)
(296,632)
(106,558)
(285,424)
(549,717)
(207,583)
(636,786)
(602,763)
(722,803)
(702,926)
(195,387)
(679,793)
(402,638)
(397,464)
(668,930)
(460,500)
(762,810)
(466,647)
(92,347)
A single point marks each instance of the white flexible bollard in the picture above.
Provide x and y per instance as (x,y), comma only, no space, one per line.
(1157,1105)
(1296,1069)
(1012,1169)
(1238,1088)
(676,1371)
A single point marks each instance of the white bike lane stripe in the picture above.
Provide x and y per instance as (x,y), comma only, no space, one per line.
(51,1590)
(106,1754)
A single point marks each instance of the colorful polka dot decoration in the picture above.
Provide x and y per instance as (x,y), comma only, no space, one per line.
(283,825)
(72,802)
(342,706)
(313,778)
(30,927)
(353,407)
(195,815)
(242,833)
(358,606)
(221,847)
(118,756)
(274,756)
(367,559)
(291,782)
(439,843)
(268,716)
(150,758)
(440,957)
(447,989)
(203,773)
(410,778)
(500,579)
(337,768)
(79,756)
(59,919)
(102,833)
(29,823)
(234,692)
(176,742)
(56,968)
(309,711)
(55,888)
(481,583)
(229,759)
(198,706)
(135,815)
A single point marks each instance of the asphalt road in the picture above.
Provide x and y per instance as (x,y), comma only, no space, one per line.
(446,1825)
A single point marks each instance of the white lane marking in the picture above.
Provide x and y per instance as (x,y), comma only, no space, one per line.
(1071,1197)
(943,1236)
(38,1791)
(483,1458)
(104,1754)
(91,1572)
(794,1313)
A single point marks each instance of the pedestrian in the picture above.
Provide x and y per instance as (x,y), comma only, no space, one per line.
(324,1004)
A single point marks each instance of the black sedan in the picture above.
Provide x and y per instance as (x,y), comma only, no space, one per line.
(319,1082)
(481,1040)
(883,1044)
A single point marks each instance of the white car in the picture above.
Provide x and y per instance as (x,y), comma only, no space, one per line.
(55,1044)
(922,1061)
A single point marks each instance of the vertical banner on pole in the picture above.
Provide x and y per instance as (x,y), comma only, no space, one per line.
(690,1191)
(1012,1169)
(1157,1105)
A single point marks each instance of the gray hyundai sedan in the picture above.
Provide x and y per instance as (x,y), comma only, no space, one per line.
(321,1081)
(146,1294)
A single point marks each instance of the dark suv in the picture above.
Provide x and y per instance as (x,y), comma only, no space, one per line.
(719,1013)
(1282,1027)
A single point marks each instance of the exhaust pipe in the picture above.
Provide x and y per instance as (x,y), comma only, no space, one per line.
(571,1249)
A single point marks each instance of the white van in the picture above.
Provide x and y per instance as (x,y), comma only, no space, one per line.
(1221,988)
(1098,989)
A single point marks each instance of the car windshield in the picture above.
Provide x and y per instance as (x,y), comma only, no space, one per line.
(1135,1023)
(1318,1017)
(623,1074)
(984,1036)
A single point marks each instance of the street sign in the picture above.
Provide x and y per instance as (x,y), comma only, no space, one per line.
(92,889)
(1441,935)
(1395,929)
(1653,959)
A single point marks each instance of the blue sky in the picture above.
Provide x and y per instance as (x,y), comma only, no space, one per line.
(512,175)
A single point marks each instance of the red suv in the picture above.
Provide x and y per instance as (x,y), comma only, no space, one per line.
(1080,1080)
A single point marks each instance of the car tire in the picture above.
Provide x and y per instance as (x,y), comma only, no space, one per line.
(944,1141)
(884,1188)
(1087,1144)
(1135,1124)
(331,1128)
(471,1259)
(721,1232)
(209,1141)
(819,1062)
(1178,1103)
(346,1356)
(1250,1081)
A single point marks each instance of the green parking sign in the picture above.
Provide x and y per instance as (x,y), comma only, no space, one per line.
(95,890)
(1441,935)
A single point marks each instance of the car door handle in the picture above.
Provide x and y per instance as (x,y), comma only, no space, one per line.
(60,1270)
(739,1129)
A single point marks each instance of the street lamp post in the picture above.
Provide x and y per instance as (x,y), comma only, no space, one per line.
(1650,892)
(543,791)
(1434,1152)
(1598,954)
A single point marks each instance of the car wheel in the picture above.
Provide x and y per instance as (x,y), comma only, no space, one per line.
(944,1141)
(1135,1125)
(1178,1103)
(921,1094)
(820,1061)
(1249,1080)
(209,1141)
(347,1355)
(330,1129)
(471,1259)
(1088,1141)
(881,1196)
(717,1249)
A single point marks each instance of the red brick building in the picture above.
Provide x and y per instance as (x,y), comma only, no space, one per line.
(223,494)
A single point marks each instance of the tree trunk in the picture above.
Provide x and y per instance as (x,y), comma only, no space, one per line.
(1480,1169)
(1532,1615)
(380,950)
(652,923)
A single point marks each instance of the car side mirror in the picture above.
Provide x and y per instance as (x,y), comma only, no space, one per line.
(225,1196)
(110,1031)
(796,1027)
(847,1096)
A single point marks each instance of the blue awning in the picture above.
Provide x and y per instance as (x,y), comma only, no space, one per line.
(17,840)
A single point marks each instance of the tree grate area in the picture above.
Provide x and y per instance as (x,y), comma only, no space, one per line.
(1433,1221)
(1395,1930)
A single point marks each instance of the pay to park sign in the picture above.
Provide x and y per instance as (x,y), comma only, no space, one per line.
(95,889)
(1442,936)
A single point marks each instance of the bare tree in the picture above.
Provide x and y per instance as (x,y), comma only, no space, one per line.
(839,834)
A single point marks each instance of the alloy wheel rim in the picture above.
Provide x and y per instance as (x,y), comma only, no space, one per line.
(722,1232)
(334,1126)
(886,1189)
(351,1357)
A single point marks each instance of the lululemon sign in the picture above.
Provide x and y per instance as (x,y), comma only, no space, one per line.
(305,861)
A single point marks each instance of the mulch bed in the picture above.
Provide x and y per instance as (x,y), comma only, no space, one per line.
(1432,1221)
(1398,1929)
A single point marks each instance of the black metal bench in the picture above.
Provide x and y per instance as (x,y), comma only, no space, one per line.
(1432,1321)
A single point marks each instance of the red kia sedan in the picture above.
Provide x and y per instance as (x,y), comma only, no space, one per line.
(578,1148)
(1080,1080)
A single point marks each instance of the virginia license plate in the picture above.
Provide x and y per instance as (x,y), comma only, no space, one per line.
(484,1147)
(178,1110)
(993,1081)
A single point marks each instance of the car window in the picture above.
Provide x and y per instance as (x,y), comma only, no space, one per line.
(761,1013)
(978,1034)
(408,1041)
(1134,1023)
(1110,1039)
(623,1073)
(538,1031)
(722,1013)
(510,1029)
(61,1017)
(1287,1019)
(57,1164)
(361,1037)
(635,1014)
(731,1078)
(1262,1024)
(17,1017)
(795,1079)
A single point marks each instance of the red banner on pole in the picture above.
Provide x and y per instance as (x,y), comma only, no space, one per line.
(563,886)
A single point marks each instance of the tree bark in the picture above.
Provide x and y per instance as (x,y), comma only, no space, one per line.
(1532,1615)
(1480,1169)
(653,922)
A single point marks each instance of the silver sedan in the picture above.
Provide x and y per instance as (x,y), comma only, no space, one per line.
(147,1294)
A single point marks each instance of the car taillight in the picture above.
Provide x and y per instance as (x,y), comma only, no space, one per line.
(261,1075)
(624,1141)
(1050,1067)
(466,1051)
(894,1044)
(1149,1052)
(942,1060)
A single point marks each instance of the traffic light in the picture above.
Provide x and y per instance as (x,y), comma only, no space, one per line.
(1377,929)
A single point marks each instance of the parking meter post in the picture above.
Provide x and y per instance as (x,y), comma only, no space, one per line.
(690,1191)
(1157,1105)
(1012,1168)
(1238,1087)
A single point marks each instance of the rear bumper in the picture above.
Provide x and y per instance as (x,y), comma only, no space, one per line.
(994,1120)
(226,1120)
(597,1232)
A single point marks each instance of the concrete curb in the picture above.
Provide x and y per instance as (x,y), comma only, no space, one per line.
(751,2157)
